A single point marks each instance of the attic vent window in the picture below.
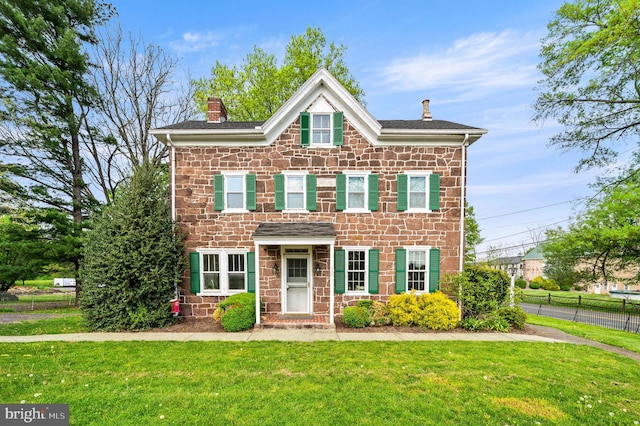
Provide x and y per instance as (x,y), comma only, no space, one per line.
(321,130)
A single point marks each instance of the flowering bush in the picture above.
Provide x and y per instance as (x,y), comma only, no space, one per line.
(430,310)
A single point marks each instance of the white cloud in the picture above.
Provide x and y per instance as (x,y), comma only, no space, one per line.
(470,65)
(196,42)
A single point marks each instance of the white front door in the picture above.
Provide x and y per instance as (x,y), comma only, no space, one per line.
(297,284)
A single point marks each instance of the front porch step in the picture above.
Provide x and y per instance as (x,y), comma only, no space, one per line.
(295,322)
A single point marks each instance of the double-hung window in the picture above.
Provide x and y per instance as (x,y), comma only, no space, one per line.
(321,129)
(356,192)
(417,268)
(295,191)
(356,270)
(234,192)
(418,191)
(221,271)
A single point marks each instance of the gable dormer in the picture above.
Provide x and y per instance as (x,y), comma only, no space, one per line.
(321,126)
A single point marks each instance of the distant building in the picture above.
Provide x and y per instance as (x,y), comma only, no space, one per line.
(533,264)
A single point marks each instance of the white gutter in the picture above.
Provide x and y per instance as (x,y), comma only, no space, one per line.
(172,160)
(463,198)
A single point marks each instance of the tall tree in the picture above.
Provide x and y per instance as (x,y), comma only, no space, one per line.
(137,92)
(46,97)
(472,236)
(256,89)
(604,243)
(591,85)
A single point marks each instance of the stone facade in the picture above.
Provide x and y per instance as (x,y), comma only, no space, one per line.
(385,229)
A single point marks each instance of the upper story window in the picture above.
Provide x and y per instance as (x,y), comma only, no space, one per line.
(234,192)
(295,191)
(356,192)
(222,272)
(418,191)
(321,129)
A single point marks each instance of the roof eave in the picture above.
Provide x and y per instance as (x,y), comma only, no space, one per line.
(431,136)
(210,136)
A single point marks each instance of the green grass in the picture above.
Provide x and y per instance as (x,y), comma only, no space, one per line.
(569,294)
(36,283)
(622,339)
(59,325)
(323,383)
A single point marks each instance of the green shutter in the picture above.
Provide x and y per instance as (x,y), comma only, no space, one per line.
(278,184)
(373,193)
(434,270)
(251,272)
(341,191)
(401,270)
(194,266)
(251,192)
(374,265)
(338,138)
(311,192)
(218,192)
(339,275)
(434,191)
(305,126)
(402,193)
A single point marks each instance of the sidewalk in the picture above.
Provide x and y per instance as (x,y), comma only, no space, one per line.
(303,335)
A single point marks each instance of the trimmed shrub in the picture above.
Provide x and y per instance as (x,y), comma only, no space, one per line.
(355,317)
(534,285)
(550,285)
(472,324)
(378,312)
(237,312)
(403,309)
(516,316)
(480,290)
(565,287)
(437,312)
(521,283)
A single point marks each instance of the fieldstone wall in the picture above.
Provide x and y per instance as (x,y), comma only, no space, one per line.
(385,229)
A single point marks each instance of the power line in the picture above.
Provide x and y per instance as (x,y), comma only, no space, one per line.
(527,231)
(532,209)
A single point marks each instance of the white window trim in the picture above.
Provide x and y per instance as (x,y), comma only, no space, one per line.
(353,173)
(303,175)
(223,261)
(366,270)
(311,129)
(426,175)
(243,174)
(427,250)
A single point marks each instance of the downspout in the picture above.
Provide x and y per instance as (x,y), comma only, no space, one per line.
(173,176)
(463,198)
(172,160)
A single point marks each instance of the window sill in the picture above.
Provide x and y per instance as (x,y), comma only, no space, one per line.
(295,211)
(220,293)
(357,211)
(357,293)
(231,211)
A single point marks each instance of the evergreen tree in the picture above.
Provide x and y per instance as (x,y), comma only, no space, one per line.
(133,258)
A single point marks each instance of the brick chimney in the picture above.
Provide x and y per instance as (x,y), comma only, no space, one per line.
(216,111)
(426,114)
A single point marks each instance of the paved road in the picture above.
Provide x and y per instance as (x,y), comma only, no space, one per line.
(602,319)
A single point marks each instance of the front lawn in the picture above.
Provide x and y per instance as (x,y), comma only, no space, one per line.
(324,383)
(70,323)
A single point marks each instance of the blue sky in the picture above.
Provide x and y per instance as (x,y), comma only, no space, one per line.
(475,60)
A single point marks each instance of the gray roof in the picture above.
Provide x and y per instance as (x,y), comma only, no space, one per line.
(386,124)
(283,229)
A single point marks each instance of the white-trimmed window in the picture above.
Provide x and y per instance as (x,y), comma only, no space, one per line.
(418,191)
(321,129)
(223,271)
(234,191)
(417,268)
(356,192)
(295,191)
(356,270)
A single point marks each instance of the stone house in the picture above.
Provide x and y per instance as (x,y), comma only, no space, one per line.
(317,207)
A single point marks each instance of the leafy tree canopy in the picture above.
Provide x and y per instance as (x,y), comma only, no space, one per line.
(256,89)
(591,85)
(604,243)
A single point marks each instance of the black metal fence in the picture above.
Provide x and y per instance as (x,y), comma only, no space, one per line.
(622,314)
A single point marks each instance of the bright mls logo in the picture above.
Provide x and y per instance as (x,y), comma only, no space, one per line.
(34,414)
